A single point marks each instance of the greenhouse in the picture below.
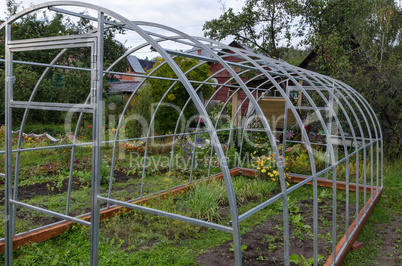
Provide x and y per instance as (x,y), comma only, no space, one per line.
(294,128)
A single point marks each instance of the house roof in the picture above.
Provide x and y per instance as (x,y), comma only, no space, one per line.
(123,86)
(146,64)
(310,61)
(236,45)
(139,65)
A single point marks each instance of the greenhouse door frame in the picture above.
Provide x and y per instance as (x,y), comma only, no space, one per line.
(95,42)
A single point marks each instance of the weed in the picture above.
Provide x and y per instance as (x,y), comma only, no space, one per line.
(301,260)
(272,247)
(243,247)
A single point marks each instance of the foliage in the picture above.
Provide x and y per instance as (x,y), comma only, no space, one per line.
(167,117)
(23,86)
(242,247)
(357,42)
(292,54)
(203,202)
(86,177)
(298,160)
(257,143)
(301,260)
(360,43)
(382,88)
(216,110)
(59,85)
(2,132)
(139,115)
(260,24)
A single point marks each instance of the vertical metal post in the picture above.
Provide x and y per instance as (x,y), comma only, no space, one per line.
(241,145)
(331,104)
(193,154)
(8,156)
(285,124)
(329,127)
(96,101)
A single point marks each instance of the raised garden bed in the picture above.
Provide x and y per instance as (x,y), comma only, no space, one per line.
(263,237)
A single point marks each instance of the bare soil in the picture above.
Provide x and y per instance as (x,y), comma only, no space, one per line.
(265,242)
(51,188)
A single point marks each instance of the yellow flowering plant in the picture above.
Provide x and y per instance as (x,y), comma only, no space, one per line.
(267,168)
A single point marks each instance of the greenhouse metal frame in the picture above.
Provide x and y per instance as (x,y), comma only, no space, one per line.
(347,113)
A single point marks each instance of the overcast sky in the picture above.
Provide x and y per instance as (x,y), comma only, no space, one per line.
(185,15)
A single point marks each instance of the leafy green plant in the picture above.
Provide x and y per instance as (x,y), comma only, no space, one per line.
(272,247)
(105,171)
(84,176)
(60,180)
(301,260)
(243,247)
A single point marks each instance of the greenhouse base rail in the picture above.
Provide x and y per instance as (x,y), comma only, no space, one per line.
(342,248)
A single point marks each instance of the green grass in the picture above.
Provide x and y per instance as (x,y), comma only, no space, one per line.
(388,208)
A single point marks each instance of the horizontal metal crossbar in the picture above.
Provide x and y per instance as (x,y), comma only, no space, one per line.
(52,213)
(256,209)
(67,12)
(303,142)
(167,214)
(79,38)
(260,130)
(59,44)
(307,88)
(67,107)
(310,108)
(47,65)
(265,204)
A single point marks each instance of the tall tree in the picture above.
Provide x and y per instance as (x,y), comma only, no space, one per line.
(261,24)
(358,42)
(341,29)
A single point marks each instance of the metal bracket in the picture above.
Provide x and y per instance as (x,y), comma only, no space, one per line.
(93,58)
(10,79)
(95,74)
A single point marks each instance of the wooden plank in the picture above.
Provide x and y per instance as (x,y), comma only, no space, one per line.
(235,106)
(274,111)
(357,245)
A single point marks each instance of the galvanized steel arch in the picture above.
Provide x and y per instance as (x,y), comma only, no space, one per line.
(264,67)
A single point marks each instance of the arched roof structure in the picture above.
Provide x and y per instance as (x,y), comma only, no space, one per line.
(344,117)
